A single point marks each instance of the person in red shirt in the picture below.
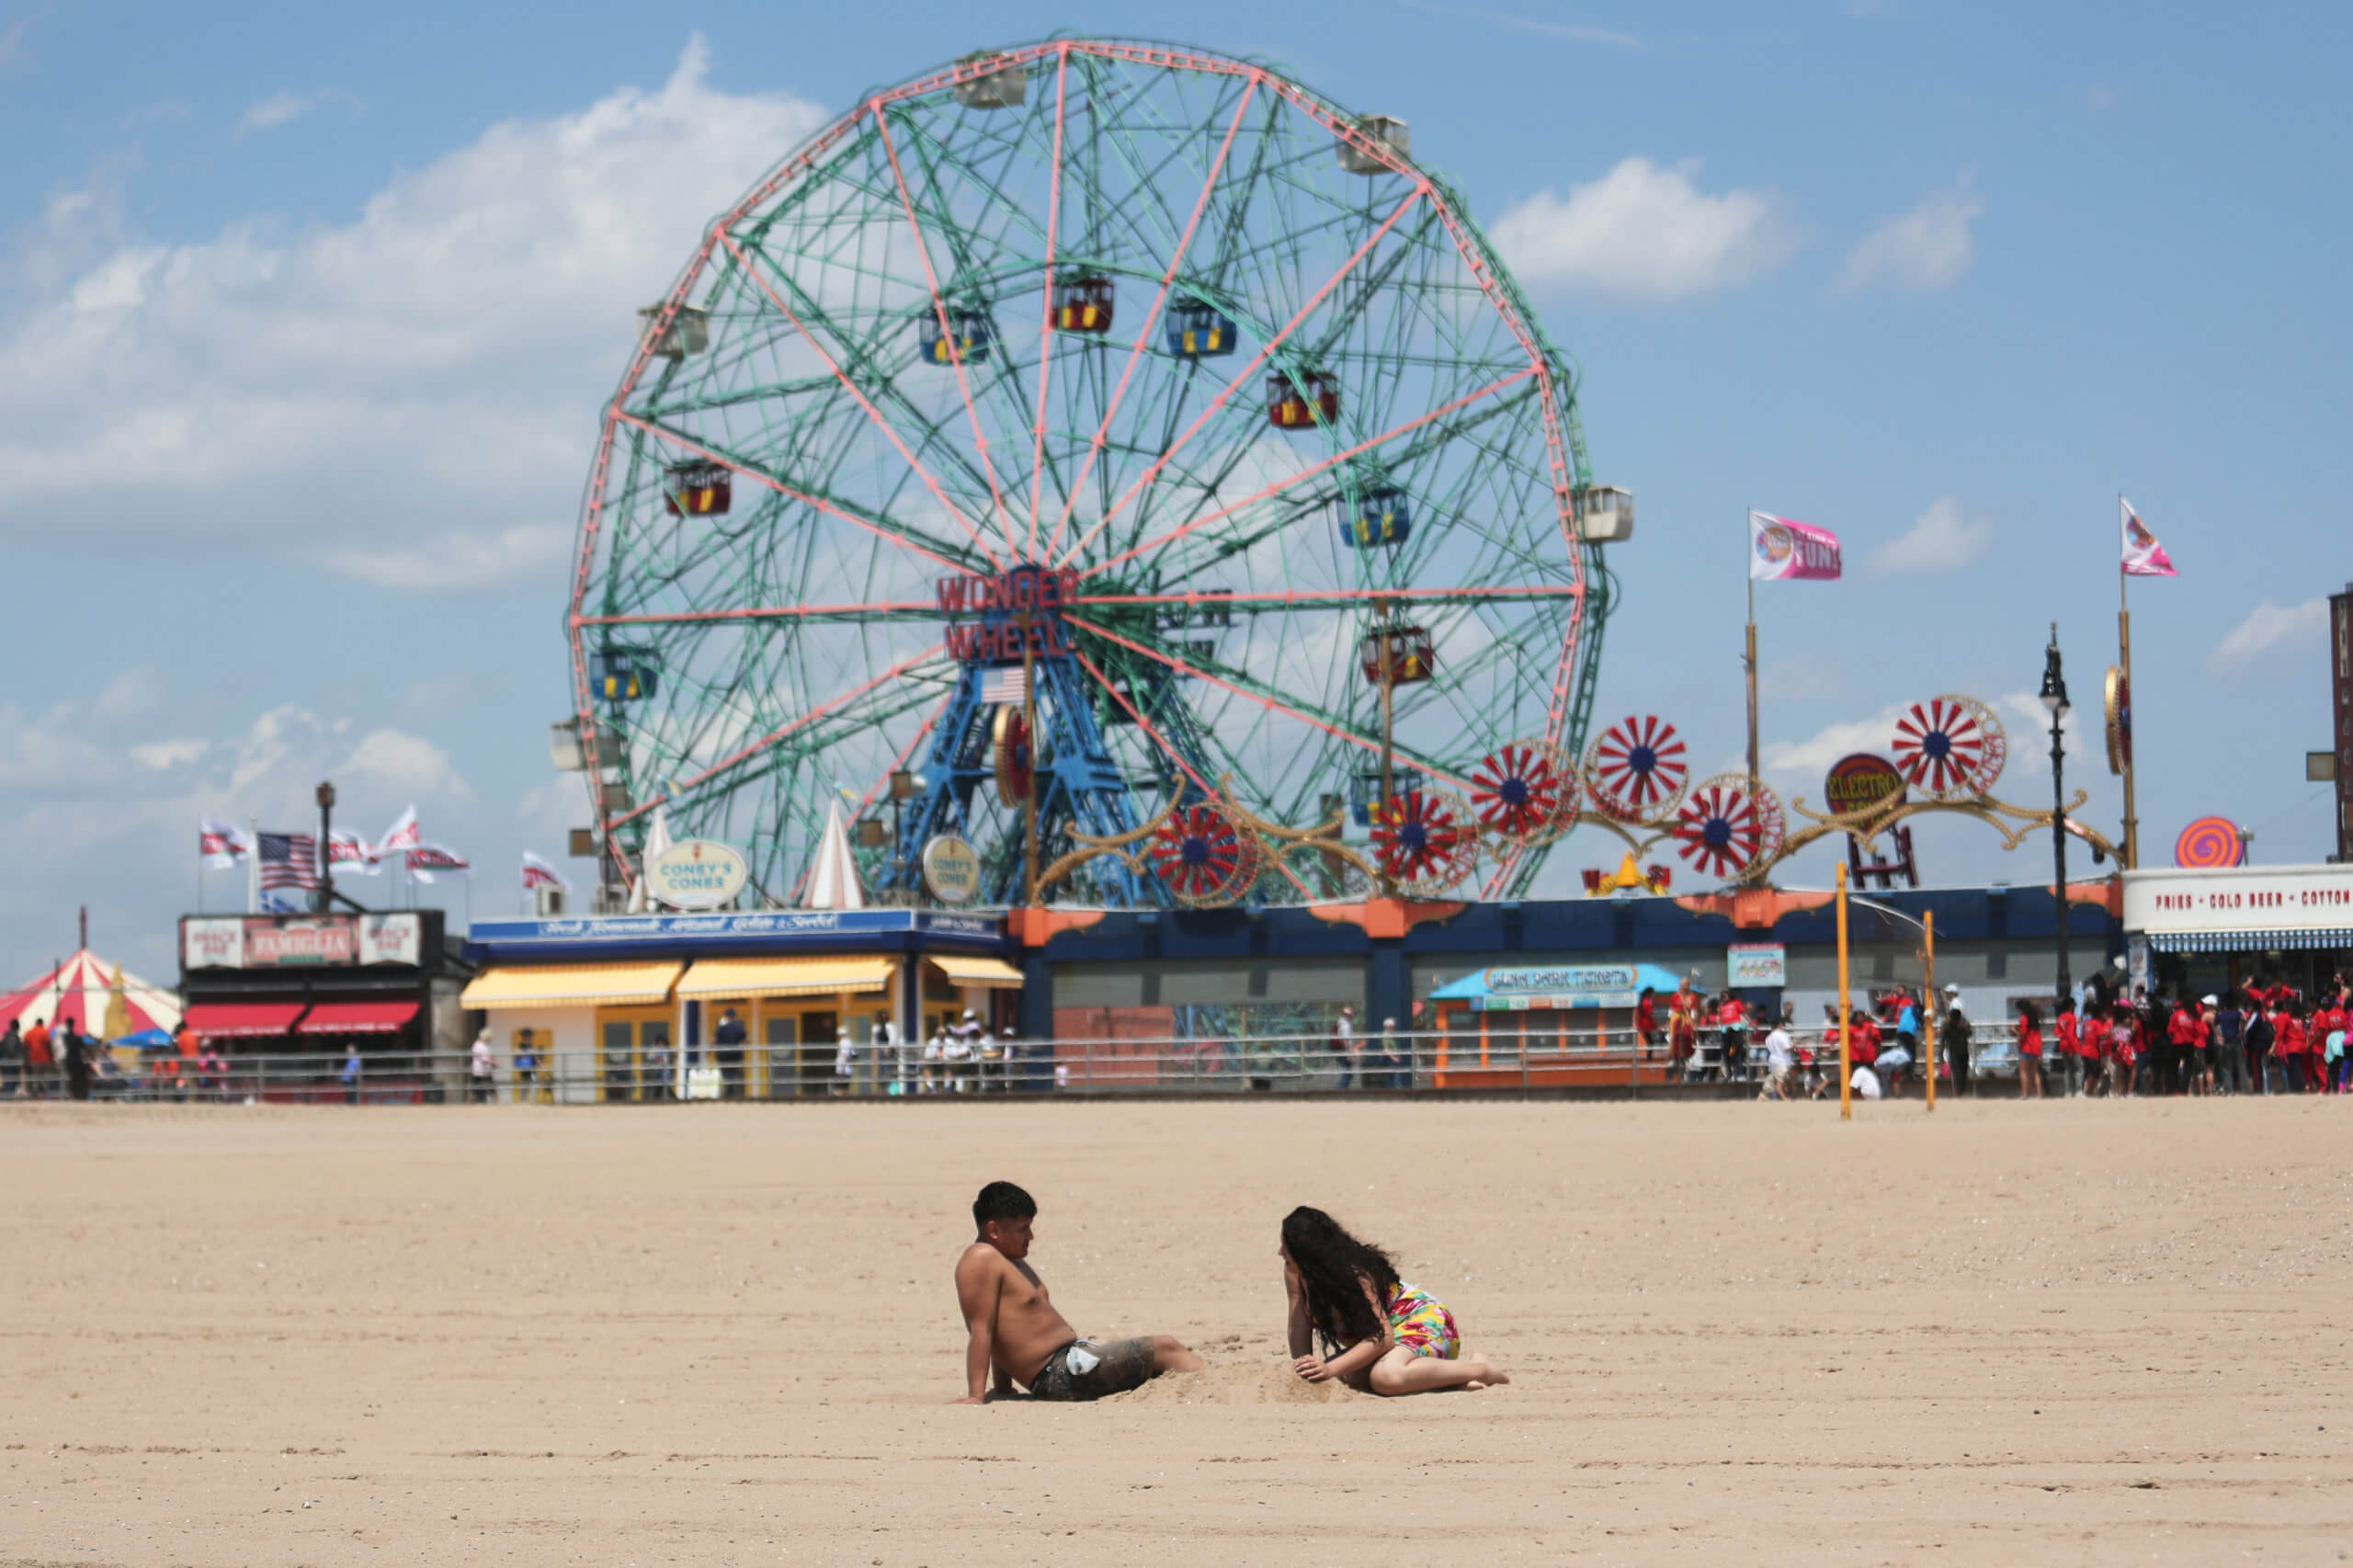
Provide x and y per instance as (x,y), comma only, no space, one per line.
(2287,1045)
(2069,1040)
(2030,1051)
(2329,1020)
(37,1060)
(2181,1035)
(1646,1021)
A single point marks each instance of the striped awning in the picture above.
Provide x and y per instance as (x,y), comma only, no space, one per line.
(572,984)
(2249,941)
(785,977)
(976,972)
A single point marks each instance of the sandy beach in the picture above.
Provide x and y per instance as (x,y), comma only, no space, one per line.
(2058,1333)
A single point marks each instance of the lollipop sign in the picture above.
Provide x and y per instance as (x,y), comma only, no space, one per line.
(2209,844)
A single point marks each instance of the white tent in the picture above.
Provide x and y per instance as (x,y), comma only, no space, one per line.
(657,840)
(833,879)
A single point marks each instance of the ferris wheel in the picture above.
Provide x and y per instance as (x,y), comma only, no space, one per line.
(1113,387)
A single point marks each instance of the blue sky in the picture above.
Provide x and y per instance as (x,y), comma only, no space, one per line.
(306,314)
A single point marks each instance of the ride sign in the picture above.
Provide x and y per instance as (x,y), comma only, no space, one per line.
(1861,782)
(697,873)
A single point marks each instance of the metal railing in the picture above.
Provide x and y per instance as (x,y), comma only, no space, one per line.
(1464,1059)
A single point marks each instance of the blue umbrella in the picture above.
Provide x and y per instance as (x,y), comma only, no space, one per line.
(145,1040)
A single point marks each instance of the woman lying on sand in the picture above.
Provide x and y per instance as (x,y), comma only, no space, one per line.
(1379,1332)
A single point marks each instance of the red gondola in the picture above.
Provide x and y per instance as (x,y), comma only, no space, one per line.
(1293,403)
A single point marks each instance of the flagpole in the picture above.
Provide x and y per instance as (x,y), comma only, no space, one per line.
(1749,661)
(2124,662)
(253,867)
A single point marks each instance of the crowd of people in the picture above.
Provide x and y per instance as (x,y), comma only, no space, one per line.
(2263,1037)
(2257,1039)
(46,1060)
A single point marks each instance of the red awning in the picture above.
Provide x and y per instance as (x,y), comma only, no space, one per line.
(357,1018)
(221,1020)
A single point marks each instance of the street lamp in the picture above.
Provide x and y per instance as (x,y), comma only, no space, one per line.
(2054,698)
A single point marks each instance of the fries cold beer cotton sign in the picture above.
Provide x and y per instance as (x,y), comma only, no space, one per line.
(1779,548)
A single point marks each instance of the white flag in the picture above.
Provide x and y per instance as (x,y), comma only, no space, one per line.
(401,834)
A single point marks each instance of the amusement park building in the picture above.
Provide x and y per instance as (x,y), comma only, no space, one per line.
(600,994)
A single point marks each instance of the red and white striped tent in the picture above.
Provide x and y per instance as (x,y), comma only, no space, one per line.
(82,990)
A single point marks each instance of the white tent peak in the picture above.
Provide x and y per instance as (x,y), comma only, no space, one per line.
(832,880)
(657,840)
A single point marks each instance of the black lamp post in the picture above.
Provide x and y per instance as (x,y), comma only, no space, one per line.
(2054,697)
(326,896)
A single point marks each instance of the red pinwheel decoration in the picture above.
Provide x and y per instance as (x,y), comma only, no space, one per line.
(1723,831)
(1951,748)
(1202,856)
(1636,772)
(1425,841)
(1525,793)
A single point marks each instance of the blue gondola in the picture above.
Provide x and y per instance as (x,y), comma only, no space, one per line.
(1364,788)
(624,675)
(1381,518)
(973,332)
(1197,330)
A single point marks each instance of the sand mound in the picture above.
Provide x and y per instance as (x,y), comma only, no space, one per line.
(1255,1381)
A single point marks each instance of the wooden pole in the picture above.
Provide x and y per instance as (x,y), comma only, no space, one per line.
(1928,1003)
(1029,796)
(2124,651)
(1750,663)
(1846,1041)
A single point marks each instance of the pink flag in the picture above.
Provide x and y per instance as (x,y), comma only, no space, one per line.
(2144,556)
(1781,547)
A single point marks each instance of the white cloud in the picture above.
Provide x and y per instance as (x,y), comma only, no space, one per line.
(2268,629)
(405,765)
(1812,757)
(285,108)
(411,397)
(1647,234)
(1928,247)
(159,754)
(1942,539)
(12,44)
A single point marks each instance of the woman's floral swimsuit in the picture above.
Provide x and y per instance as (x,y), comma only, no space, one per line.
(1419,1322)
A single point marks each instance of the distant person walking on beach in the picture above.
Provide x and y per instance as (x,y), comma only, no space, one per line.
(484,1070)
(12,1060)
(1378,1332)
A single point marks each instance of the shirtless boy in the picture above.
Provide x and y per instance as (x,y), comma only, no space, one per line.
(1017,1333)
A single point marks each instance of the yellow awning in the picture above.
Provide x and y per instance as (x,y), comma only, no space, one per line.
(572,984)
(977,971)
(785,977)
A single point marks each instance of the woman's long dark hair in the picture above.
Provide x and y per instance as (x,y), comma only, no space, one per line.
(1337,1267)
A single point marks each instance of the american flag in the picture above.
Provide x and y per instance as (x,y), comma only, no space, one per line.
(288,859)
